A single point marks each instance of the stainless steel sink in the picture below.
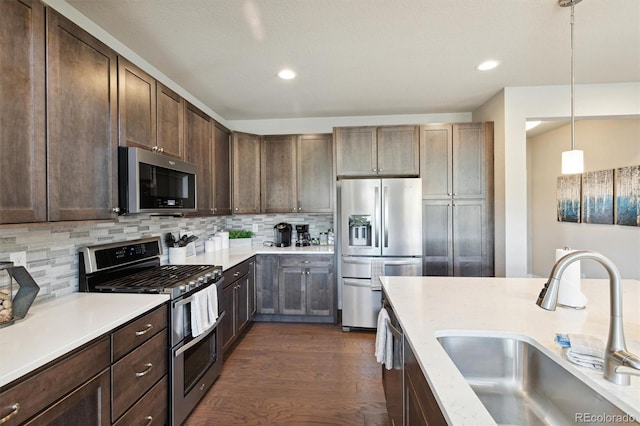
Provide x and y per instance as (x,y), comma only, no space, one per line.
(520,385)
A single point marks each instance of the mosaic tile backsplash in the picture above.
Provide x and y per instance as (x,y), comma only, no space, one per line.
(52,249)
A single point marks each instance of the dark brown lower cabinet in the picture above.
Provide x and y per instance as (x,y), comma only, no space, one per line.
(87,405)
(421,407)
(238,301)
(86,388)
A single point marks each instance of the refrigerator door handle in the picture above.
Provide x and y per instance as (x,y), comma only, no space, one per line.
(385,204)
(376,217)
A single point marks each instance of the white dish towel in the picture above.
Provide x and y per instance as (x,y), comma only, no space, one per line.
(384,340)
(585,351)
(377,270)
(204,310)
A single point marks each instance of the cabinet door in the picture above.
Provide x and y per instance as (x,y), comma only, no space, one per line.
(22,112)
(88,405)
(472,247)
(421,407)
(292,290)
(436,157)
(136,106)
(266,284)
(437,239)
(398,151)
(278,170)
(315,173)
(81,123)
(228,322)
(319,291)
(221,170)
(246,173)
(471,157)
(356,151)
(198,143)
(242,301)
(170,121)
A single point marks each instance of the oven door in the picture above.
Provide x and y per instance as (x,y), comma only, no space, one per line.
(195,365)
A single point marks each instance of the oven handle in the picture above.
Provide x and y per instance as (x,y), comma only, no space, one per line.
(204,335)
(190,298)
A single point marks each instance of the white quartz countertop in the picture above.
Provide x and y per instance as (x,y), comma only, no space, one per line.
(54,328)
(430,307)
(230,257)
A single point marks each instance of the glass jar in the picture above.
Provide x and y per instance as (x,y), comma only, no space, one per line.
(6,294)
(323,238)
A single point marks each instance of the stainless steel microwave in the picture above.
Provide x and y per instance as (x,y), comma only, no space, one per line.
(155,183)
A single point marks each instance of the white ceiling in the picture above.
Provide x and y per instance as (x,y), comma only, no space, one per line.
(370,57)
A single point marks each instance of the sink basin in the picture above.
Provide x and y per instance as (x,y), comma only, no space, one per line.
(520,385)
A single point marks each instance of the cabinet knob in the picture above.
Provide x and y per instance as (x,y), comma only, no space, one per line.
(374,170)
(299,209)
(116,209)
(161,150)
(236,209)
(294,209)
(455,194)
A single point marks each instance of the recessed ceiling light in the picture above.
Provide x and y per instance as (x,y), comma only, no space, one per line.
(531,124)
(287,74)
(488,65)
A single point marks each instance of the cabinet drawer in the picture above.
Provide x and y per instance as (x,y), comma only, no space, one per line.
(137,372)
(39,391)
(138,332)
(232,274)
(151,409)
(306,261)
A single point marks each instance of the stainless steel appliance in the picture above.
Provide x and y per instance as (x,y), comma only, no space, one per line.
(154,183)
(134,267)
(303,238)
(282,234)
(380,234)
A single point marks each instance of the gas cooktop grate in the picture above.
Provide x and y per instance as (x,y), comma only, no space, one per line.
(156,278)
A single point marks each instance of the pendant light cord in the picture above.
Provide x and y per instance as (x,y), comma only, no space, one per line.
(573,119)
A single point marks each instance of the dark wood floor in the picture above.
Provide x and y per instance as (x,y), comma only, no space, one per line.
(297,374)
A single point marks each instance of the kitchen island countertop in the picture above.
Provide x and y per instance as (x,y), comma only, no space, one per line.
(429,307)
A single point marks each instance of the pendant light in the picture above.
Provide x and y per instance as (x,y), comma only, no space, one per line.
(572,161)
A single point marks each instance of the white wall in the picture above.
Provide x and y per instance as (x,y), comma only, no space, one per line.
(544,102)
(607,144)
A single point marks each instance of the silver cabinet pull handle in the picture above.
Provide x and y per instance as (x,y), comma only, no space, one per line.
(149,420)
(14,411)
(236,274)
(148,328)
(146,370)
(306,261)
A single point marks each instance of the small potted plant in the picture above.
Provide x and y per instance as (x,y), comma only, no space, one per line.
(239,237)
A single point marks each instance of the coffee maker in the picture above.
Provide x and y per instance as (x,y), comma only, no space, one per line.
(282,234)
(303,238)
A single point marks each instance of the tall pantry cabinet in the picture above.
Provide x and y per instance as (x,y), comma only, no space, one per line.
(457,191)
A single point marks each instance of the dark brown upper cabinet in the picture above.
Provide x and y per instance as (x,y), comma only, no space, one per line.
(170,122)
(221,170)
(198,145)
(278,174)
(22,112)
(377,151)
(81,123)
(137,106)
(246,173)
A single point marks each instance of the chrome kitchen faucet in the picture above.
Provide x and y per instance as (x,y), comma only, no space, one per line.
(619,363)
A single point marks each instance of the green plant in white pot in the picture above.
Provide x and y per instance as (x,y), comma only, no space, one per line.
(239,237)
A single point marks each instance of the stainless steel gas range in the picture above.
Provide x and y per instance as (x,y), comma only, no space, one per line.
(134,267)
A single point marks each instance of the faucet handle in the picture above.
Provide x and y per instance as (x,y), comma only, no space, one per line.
(623,369)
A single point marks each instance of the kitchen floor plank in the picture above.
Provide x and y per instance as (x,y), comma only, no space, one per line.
(297,374)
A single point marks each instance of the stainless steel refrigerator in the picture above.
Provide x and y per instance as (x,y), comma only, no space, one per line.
(380,225)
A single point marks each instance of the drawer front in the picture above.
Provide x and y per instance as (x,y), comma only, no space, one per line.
(137,372)
(306,261)
(139,331)
(39,391)
(151,409)
(232,274)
